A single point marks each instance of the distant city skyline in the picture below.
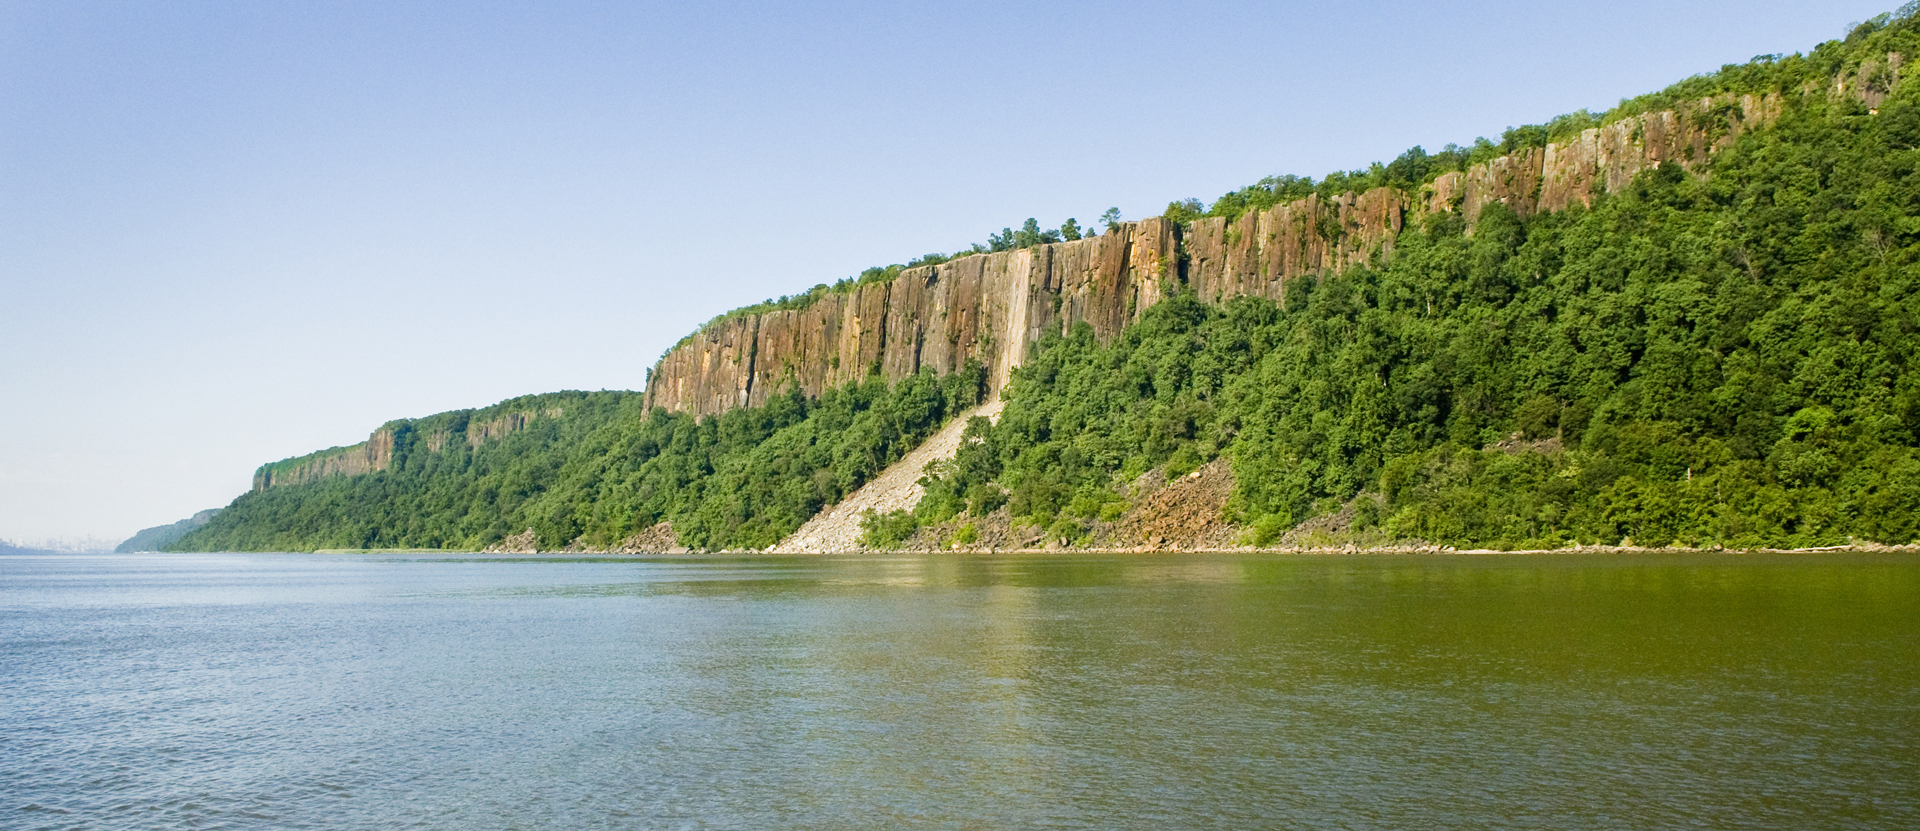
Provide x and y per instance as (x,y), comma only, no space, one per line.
(80,545)
(237,233)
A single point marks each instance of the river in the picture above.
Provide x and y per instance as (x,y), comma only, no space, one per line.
(1150,691)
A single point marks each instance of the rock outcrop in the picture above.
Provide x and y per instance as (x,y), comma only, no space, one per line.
(1558,176)
(987,308)
(377,452)
(992,307)
(1257,254)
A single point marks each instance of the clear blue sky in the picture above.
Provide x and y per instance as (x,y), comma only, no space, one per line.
(236,232)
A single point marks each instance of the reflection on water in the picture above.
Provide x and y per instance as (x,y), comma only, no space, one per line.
(1140,691)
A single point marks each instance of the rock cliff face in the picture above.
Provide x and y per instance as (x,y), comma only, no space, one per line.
(376,453)
(992,307)
(1559,175)
(1257,254)
(366,457)
(985,308)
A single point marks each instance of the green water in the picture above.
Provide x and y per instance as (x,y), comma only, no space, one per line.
(1074,691)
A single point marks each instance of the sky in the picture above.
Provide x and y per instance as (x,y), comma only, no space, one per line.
(235,232)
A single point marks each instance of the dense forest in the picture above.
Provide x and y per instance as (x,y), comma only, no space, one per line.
(1696,359)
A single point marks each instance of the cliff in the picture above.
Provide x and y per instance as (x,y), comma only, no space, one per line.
(374,454)
(432,433)
(1277,396)
(992,307)
(985,308)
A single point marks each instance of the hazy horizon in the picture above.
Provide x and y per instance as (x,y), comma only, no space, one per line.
(237,234)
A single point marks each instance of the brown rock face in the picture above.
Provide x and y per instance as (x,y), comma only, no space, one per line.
(1257,254)
(1872,81)
(1602,159)
(991,307)
(376,453)
(366,457)
(479,432)
(715,377)
(986,308)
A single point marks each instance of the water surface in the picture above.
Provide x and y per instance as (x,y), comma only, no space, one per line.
(1073,691)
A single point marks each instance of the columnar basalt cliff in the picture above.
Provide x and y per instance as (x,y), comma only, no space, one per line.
(374,454)
(1255,255)
(1559,175)
(991,307)
(377,452)
(986,308)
